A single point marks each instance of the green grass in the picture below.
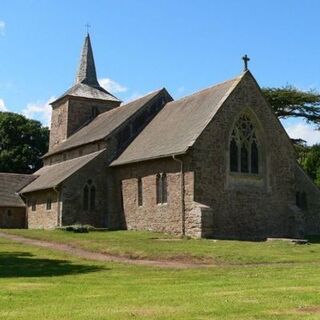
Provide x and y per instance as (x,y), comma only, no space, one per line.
(160,246)
(44,284)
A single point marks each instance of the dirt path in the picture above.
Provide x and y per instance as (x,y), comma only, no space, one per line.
(90,255)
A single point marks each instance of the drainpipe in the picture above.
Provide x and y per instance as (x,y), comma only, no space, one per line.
(174,157)
(59,217)
(26,201)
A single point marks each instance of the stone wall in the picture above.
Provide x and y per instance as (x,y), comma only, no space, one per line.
(59,121)
(73,211)
(243,205)
(12,217)
(151,215)
(311,209)
(41,218)
(117,140)
(75,153)
(82,111)
(71,113)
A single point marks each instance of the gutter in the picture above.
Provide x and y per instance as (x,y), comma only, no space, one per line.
(183,216)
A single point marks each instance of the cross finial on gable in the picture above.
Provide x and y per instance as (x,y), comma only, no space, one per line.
(88,26)
(245,59)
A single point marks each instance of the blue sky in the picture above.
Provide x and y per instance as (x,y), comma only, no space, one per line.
(143,45)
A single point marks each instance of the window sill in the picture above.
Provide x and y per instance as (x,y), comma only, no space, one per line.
(248,176)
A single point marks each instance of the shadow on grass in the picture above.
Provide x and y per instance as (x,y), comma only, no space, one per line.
(313,238)
(23,264)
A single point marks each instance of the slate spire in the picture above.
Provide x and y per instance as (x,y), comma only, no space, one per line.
(87,70)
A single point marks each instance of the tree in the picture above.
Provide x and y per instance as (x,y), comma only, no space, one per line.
(311,163)
(22,143)
(289,101)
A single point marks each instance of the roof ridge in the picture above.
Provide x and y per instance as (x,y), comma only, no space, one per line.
(125,104)
(209,88)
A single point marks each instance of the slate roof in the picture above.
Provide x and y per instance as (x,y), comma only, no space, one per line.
(86,91)
(10,184)
(105,123)
(51,176)
(87,85)
(176,127)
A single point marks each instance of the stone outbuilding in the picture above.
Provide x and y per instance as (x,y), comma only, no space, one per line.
(217,163)
(12,206)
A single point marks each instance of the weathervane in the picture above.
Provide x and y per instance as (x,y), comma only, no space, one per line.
(245,59)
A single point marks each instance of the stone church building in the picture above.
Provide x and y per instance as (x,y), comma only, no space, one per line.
(217,163)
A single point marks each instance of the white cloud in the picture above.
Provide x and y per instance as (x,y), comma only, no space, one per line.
(303,131)
(112,86)
(2,106)
(2,27)
(133,96)
(39,110)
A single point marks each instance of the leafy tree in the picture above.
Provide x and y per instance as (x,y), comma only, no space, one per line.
(22,143)
(311,163)
(289,101)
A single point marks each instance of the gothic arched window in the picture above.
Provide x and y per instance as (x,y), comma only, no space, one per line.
(89,196)
(244,147)
(158,188)
(140,196)
(162,188)
(92,197)
(86,197)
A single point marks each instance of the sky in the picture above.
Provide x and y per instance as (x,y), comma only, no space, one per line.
(143,45)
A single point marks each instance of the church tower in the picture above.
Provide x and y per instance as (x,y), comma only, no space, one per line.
(82,103)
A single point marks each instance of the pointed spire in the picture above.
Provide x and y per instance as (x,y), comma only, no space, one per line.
(87,70)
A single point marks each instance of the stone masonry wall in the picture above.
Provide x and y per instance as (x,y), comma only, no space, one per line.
(59,120)
(82,111)
(75,153)
(152,216)
(70,114)
(72,195)
(42,218)
(12,217)
(311,210)
(244,205)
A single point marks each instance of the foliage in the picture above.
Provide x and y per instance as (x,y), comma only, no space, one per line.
(311,163)
(289,101)
(22,143)
(40,283)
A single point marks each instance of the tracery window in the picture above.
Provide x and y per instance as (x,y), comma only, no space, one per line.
(244,147)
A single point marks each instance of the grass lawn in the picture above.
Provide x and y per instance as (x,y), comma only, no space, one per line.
(45,284)
(153,245)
